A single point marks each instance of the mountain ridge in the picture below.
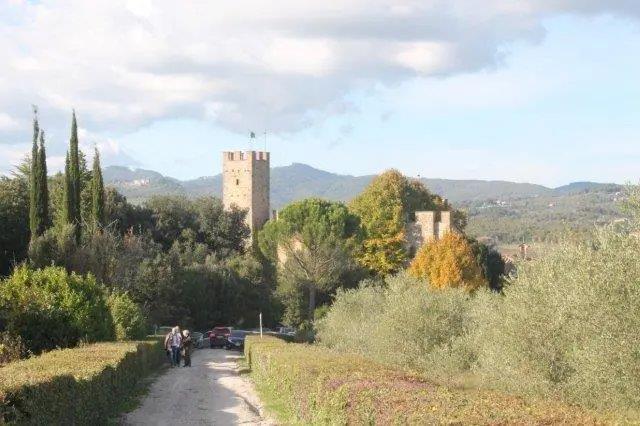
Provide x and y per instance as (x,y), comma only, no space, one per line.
(299,180)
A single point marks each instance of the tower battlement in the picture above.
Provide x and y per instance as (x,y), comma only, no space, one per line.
(245,185)
(428,226)
(245,156)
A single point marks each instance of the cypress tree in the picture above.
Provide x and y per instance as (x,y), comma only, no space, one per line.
(97,192)
(67,203)
(74,175)
(43,188)
(33,179)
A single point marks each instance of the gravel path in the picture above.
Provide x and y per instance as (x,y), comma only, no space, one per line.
(209,393)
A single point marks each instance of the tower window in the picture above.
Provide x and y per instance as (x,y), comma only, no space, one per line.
(237,181)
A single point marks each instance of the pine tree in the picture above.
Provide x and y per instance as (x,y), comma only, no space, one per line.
(97,192)
(33,179)
(43,189)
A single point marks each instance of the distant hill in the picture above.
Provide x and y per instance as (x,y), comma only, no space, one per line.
(506,211)
(298,181)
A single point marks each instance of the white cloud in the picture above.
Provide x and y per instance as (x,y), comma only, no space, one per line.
(11,156)
(7,122)
(247,63)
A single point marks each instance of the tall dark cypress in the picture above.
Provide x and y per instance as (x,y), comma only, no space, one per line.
(33,179)
(74,172)
(43,188)
(97,192)
(67,203)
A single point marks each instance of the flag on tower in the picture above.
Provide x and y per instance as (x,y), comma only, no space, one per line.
(252,135)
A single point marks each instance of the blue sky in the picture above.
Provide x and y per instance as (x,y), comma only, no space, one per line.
(551,104)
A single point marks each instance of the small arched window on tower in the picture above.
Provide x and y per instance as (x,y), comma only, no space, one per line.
(237,182)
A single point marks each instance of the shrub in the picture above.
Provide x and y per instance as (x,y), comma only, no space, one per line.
(75,386)
(569,325)
(49,308)
(128,319)
(311,385)
(402,324)
(11,348)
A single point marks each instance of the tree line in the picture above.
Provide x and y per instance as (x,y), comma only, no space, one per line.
(187,261)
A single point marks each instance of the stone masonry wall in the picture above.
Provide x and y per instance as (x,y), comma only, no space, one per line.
(245,183)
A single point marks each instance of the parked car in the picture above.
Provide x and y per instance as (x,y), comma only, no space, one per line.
(236,339)
(198,339)
(289,331)
(163,330)
(218,337)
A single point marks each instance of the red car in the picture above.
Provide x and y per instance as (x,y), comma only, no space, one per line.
(218,336)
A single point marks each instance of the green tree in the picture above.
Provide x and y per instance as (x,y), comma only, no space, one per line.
(97,192)
(14,224)
(42,204)
(50,308)
(385,207)
(491,263)
(34,177)
(311,242)
(74,187)
(128,319)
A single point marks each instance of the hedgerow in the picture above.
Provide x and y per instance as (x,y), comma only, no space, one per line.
(75,386)
(565,328)
(306,384)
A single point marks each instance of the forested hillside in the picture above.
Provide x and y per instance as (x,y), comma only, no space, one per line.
(508,212)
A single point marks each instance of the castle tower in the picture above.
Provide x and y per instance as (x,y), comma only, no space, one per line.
(428,226)
(245,184)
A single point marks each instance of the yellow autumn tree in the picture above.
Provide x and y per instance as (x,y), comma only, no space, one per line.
(448,262)
(384,208)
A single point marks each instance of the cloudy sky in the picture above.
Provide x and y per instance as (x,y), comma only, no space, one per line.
(545,91)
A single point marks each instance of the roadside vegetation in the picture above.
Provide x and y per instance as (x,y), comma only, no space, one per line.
(303,384)
(83,385)
(566,327)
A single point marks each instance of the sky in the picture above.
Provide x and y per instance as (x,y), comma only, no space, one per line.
(542,91)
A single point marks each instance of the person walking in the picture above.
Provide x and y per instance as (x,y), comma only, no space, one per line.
(175,341)
(167,347)
(187,347)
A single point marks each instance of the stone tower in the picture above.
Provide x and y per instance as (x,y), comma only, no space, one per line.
(245,183)
(428,226)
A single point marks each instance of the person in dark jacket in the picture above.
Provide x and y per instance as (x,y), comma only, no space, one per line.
(187,347)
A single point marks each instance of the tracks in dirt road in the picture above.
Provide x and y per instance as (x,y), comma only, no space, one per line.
(211,392)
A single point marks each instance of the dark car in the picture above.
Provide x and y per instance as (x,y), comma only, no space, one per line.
(236,339)
(218,337)
(198,339)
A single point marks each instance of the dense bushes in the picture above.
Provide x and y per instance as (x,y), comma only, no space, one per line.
(128,319)
(566,326)
(49,308)
(401,324)
(75,386)
(311,385)
(569,324)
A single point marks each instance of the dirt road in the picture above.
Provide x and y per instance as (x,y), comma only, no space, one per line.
(209,393)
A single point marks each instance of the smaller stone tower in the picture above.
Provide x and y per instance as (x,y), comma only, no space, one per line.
(245,184)
(428,226)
